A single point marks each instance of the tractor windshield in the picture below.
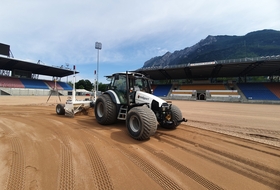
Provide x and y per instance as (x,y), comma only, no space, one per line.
(142,85)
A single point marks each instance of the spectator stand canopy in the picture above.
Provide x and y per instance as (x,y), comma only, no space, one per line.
(25,67)
(242,68)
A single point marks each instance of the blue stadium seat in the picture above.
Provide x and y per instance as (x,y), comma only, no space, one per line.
(257,91)
(32,83)
(162,90)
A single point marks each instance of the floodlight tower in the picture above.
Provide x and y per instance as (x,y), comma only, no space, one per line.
(67,67)
(98,46)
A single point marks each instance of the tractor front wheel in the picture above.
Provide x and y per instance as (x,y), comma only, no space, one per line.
(176,117)
(141,123)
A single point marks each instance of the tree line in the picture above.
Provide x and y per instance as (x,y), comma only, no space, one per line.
(87,85)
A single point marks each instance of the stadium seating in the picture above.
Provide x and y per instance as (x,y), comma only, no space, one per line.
(9,82)
(191,89)
(32,83)
(182,92)
(224,92)
(257,91)
(161,90)
(203,87)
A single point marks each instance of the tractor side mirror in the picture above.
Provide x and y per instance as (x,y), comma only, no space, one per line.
(117,77)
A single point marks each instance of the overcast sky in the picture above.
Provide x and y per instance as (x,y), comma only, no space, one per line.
(131,32)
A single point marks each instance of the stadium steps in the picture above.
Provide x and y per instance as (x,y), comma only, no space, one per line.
(242,96)
(52,85)
(4,92)
(65,86)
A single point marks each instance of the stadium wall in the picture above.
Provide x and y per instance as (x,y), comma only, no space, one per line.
(28,92)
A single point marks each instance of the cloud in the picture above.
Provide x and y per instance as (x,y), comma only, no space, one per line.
(132,32)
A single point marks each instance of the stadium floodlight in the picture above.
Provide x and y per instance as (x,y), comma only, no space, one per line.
(98,46)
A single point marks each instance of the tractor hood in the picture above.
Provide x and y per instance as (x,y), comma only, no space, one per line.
(143,97)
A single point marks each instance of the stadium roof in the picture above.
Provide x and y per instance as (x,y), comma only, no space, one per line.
(259,66)
(7,63)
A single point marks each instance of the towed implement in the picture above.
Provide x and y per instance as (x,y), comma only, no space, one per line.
(74,106)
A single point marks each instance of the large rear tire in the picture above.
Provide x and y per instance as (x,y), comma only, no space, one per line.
(105,110)
(60,109)
(176,115)
(141,123)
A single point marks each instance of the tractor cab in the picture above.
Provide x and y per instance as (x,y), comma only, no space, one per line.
(125,85)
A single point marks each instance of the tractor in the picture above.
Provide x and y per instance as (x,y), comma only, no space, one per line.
(129,97)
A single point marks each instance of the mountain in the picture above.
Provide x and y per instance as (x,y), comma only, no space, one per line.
(253,44)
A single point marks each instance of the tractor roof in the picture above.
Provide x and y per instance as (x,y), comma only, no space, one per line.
(134,74)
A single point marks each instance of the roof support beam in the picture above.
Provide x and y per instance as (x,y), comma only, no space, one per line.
(216,70)
(164,73)
(251,67)
(188,72)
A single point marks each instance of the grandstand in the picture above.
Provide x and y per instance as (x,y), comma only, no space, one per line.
(200,80)
(20,78)
(22,86)
(242,92)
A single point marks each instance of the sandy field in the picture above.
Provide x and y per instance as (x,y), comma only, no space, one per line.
(222,146)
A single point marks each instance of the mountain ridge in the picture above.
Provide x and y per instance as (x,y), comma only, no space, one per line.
(257,43)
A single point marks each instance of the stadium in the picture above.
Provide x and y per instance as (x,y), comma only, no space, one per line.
(223,145)
(201,81)
(205,84)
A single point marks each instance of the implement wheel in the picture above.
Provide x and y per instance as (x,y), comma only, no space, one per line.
(60,109)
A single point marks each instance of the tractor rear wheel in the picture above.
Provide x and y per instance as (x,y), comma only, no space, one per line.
(60,109)
(141,123)
(105,110)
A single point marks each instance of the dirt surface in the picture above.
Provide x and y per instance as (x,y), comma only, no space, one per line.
(222,146)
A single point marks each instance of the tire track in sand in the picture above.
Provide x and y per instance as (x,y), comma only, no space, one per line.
(183,169)
(228,141)
(17,170)
(252,173)
(98,168)
(159,177)
(67,172)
